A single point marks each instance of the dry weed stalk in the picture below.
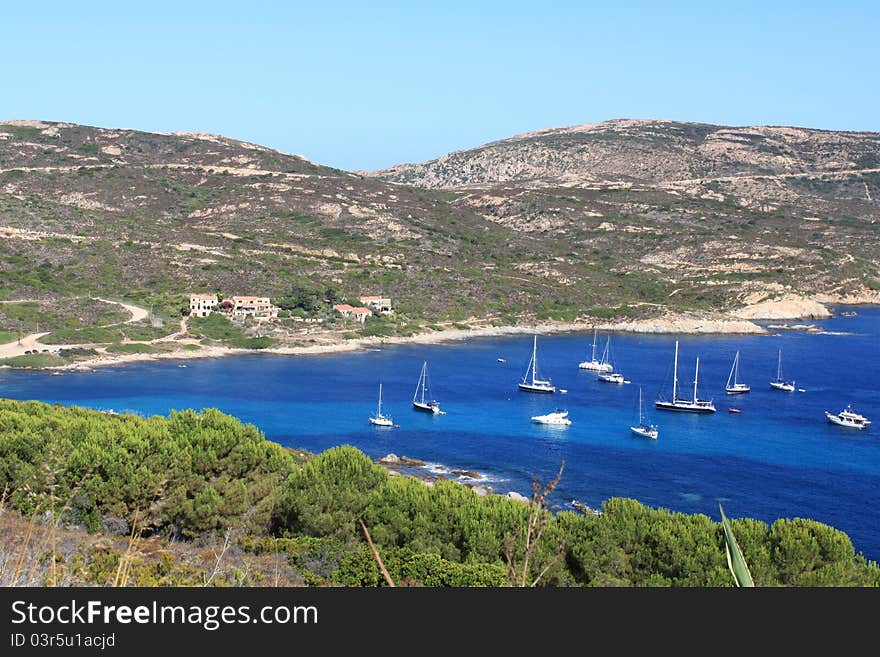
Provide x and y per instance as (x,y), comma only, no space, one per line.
(219,557)
(123,571)
(536,524)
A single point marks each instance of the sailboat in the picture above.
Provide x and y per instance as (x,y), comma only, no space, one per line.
(594,364)
(643,428)
(779,383)
(379,419)
(421,400)
(695,405)
(535,384)
(734,385)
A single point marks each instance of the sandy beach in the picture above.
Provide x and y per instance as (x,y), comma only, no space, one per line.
(740,322)
(332,343)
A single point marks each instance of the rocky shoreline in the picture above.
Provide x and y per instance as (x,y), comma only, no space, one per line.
(430,473)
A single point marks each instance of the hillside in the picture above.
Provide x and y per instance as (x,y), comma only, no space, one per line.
(624,220)
(722,215)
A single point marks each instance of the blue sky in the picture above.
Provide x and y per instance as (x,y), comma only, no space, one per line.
(364,85)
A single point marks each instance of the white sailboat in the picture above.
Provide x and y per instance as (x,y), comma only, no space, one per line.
(779,383)
(530,381)
(422,400)
(683,404)
(734,385)
(379,419)
(594,364)
(642,427)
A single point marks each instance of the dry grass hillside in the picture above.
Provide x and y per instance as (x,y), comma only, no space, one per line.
(619,220)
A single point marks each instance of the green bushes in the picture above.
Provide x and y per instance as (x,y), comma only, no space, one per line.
(198,473)
(188,474)
(219,328)
(328,495)
(132,348)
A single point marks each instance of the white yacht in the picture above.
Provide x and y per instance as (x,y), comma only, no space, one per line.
(556,417)
(779,383)
(530,381)
(848,418)
(597,364)
(734,385)
(695,405)
(612,377)
(642,427)
(381,420)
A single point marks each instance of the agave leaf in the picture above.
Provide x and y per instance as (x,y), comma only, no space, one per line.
(735,560)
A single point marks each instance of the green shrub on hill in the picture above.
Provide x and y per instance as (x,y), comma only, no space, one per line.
(219,328)
(194,474)
(187,474)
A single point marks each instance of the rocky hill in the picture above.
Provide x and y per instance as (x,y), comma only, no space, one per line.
(621,220)
(647,151)
(720,214)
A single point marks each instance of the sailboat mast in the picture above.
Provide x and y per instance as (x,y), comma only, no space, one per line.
(535,359)
(641,417)
(779,367)
(696,378)
(675,374)
(595,337)
(734,371)
(424,380)
(379,407)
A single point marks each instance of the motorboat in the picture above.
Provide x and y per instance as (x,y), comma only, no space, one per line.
(556,417)
(848,418)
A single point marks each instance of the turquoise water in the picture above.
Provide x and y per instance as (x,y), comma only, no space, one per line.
(778,458)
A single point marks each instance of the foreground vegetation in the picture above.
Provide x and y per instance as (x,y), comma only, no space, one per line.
(205,479)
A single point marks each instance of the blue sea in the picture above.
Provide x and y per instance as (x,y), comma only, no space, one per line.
(778,458)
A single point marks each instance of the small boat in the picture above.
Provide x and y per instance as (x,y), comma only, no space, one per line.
(734,385)
(848,418)
(381,420)
(535,384)
(563,391)
(848,313)
(612,377)
(643,428)
(422,400)
(779,383)
(601,364)
(556,417)
(683,404)
(501,360)
(181,365)
(733,409)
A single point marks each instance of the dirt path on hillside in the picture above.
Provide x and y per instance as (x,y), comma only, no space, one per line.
(31,341)
(28,342)
(137,313)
